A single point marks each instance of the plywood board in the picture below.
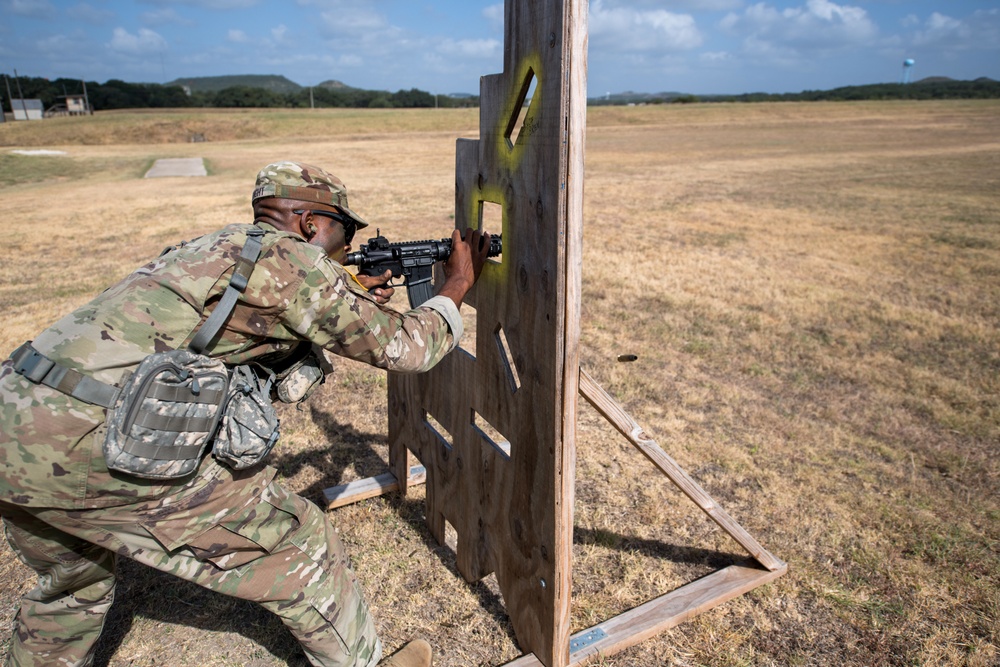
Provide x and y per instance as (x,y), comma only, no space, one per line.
(496,431)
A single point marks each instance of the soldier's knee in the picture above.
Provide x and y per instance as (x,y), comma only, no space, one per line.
(90,577)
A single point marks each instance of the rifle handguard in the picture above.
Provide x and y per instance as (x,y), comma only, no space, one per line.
(413,260)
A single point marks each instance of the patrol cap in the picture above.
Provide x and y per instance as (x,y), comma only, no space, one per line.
(295,180)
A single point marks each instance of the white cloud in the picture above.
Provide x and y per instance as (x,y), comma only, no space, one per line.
(715,57)
(818,24)
(656,30)
(350,19)
(349,60)
(979,31)
(55,44)
(471,48)
(494,14)
(693,5)
(279,33)
(145,41)
(237,36)
(209,4)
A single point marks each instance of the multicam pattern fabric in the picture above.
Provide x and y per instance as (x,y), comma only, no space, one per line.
(47,458)
(236,532)
(304,182)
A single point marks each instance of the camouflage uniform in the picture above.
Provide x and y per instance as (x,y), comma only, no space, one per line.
(235,532)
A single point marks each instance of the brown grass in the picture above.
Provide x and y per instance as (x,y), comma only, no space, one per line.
(813,295)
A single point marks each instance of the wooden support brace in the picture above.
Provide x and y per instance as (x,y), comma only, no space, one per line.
(631,429)
(660,614)
(370,487)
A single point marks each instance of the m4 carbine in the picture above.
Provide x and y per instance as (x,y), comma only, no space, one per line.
(413,260)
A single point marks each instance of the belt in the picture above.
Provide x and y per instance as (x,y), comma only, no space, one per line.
(39,369)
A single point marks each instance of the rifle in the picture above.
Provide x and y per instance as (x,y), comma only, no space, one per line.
(413,260)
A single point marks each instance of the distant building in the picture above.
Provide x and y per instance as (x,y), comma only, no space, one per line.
(27,109)
(76,105)
(72,105)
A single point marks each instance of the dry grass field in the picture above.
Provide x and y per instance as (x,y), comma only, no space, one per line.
(813,295)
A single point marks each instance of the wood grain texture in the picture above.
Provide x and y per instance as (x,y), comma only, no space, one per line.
(513,515)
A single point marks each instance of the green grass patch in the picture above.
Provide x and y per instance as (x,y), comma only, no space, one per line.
(18,170)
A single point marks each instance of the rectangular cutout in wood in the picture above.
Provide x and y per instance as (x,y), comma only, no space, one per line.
(492,436)
(470,322)
(491,220)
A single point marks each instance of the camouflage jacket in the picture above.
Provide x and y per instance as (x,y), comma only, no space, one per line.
(50,443)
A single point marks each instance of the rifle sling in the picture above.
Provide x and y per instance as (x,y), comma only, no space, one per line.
(237,285)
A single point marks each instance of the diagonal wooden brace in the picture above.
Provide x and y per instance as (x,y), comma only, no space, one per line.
(627,426)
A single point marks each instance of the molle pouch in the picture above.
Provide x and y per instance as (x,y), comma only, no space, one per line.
(250,427)
(165,414)
(297,382)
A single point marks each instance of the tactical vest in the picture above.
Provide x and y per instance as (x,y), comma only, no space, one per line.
(163,415)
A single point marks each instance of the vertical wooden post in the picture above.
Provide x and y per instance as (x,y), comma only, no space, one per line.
(496,432)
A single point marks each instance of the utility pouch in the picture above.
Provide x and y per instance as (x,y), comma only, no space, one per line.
(250,427)
(165,415)
(168,411)
(298,381)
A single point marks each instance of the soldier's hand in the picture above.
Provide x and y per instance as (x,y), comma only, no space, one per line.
(468,255)
(382,291)
(462,270)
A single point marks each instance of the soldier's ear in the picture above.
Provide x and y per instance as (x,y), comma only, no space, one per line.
(303,224)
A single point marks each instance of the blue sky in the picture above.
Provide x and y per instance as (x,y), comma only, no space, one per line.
(443,46)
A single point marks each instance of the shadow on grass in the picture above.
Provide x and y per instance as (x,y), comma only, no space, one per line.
(351,448)
(146,593)
(143,592)
(485,591)
(346,447)
(692,556)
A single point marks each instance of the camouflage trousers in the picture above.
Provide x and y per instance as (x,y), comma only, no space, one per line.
(278,549)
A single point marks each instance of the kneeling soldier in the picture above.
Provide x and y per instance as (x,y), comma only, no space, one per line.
(71,506)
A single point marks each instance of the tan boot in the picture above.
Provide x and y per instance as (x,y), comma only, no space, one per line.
(415,654)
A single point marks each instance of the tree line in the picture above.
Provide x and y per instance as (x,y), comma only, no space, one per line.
(116,94)
(925,89)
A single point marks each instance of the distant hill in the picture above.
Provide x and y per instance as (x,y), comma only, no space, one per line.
(938,79)
(333,84)
(213,84)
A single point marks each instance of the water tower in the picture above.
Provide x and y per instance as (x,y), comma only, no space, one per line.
(907,66)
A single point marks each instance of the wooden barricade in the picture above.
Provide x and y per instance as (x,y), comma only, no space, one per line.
(494,432)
